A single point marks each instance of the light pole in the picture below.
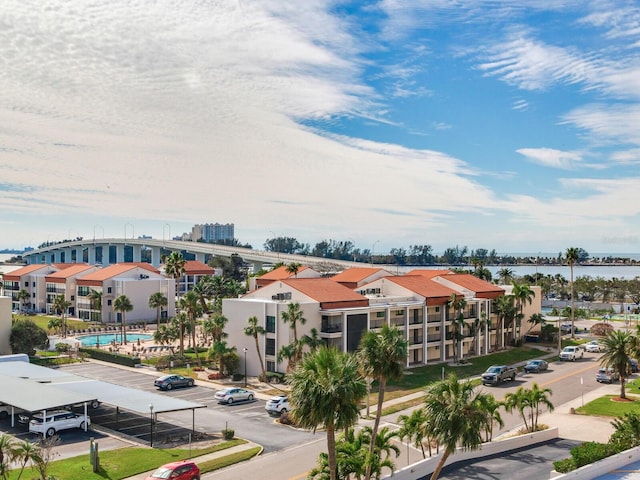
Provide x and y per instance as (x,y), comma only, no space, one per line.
(373,249)
(276,243)
(132,230)
(163,227)
(245,366)
(151,425)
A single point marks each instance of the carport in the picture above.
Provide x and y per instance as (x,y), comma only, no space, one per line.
(35,388)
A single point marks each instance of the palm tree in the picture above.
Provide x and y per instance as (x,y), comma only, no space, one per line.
(383,356)
(506,312)
(26,452)
(219,350)
(520,401)
(619,347)
(254,330)
(413,428)
(522,294)
(326,389)
(7,454)
(23,297)
(457,416)
(458,303)
(61,304)
(528,402)
(539,397)
(382,444)
(190,303)
(123,305)
(174,266)
(293,268)
(158,301)
(204,290)
(505,275)
(294,316)
(181,319)
(55,324)
(95,299)
(572,255)
(312,340)
(491,406)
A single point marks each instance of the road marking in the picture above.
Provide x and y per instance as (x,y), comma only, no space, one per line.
(564,377)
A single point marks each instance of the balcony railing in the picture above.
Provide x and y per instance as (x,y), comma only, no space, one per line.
(377,323)
(434,338)
(415,340)
(332,328)
(415,321)
(397,322)
(436,317)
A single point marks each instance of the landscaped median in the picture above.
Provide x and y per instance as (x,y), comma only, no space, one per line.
(127,462)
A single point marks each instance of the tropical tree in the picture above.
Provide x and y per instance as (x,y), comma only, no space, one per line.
(27,337)
(476,327)
(627,431)
(506,312)
(619,346)
(491,407)
(24,297)
(457,417)
(55,324)
(522,293)
(190,304)
(182,320)
(26,452)
(95,299)
(7,454)
(383,447)
(174,267)
(382,355)
(572,255)
(254,330)
(414,428)
(536,320)
(294,316)
(312,340)
(204,291)
(61,304)
(505,275)
(123,305)
(326,389)
(528,403)
(458,303)
(219,350)
(158,301)
(293,268)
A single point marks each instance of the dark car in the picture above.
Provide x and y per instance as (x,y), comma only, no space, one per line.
(566,328)
(633,365)
(536,366)
(184,470)
(168,382)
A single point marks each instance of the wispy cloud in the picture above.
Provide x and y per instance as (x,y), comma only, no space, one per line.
(550,157)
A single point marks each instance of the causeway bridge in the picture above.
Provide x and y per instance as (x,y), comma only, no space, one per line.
(107,251)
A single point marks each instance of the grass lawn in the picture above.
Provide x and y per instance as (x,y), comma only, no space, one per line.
(126,462)
(606,407)
(43,321)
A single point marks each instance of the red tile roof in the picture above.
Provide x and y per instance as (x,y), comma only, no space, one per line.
(425,272)
(325,290)
(482,288)
(26,270)
(425,287)
(355,274)
(196,267)
(113,270)
(280,273)
(72,270)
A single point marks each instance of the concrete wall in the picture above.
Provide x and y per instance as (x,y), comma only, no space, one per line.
(5,325)
(426,467)
(603,467)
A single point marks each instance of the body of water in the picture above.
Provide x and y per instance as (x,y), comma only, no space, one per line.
(107,338)
(627,272)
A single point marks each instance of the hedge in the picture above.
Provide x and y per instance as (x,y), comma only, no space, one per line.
(110,357)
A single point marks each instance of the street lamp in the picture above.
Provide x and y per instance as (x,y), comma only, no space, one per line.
(163,227)
(276,243)
(245,366)
(373,249)
(151,425)
(132,230)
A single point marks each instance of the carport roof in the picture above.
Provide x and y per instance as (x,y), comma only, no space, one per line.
(35,388)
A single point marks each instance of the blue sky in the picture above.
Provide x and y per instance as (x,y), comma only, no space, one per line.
(505,125)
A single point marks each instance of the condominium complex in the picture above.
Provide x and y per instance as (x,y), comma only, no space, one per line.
(341,309)
(212,232)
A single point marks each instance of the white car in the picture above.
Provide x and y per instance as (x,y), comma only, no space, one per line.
(55,421)
(233,394)
(572,353)
(277,404)
(593,347)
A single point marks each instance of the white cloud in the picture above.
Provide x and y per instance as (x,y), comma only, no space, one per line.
(550,157)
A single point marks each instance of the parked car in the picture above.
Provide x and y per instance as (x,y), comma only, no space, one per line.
(633,365)
(607,375)
(593,347)
(183,470)
(233,394)
(55,421)
(572,353)
(566,328)
(277,404)
(536,366)
(168,382)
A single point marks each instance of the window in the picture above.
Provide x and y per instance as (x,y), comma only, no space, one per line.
(33,284)
(26,284)
(271,324)
(108,303)
(73,297)
(380,314)
(108,289)
(270,347)
(399,313)
(271,366)
(437,309)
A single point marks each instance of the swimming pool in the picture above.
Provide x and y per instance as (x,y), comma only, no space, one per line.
(107,338)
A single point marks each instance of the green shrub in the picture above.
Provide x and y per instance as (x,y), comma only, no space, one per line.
(228,433)
(585,454)
(565,465)
(62,347)
(275,377)
(237,377)
(110,357)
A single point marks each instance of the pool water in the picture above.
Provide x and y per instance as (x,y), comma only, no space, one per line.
(107,338)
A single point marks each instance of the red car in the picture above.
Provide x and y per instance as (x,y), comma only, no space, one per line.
(184,470)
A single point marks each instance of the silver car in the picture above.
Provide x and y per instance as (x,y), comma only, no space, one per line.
(233,394)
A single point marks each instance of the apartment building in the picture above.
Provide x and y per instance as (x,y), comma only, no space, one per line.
(194,270)
(213,232)
(63,282)
(30,278)
(138,281)
(281,273)
(418,304)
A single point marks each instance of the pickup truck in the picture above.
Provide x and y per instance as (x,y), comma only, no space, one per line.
(497,374)
(572,353)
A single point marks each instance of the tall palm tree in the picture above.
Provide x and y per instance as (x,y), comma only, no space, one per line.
(506,312)
(528,402)
(61,304)
(458,303)
(619,346)
(505,275)
(123,305)
(190,304)
(95,299)
(522,294)
(254,330)
(174,267)
(158,301)
(294,316)
(326,389)
(572,255)
(382,355)
(204,290)
(491,407)
(457,416)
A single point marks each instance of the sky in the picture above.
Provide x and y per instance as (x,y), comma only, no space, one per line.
(505,125)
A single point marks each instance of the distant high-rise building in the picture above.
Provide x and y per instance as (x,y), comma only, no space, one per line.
(212,232)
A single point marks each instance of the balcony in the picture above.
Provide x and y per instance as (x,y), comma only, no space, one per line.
(331,328)
(397,322)
(434,338)
(434,318)
(416,321)
(415,340)
(377,323)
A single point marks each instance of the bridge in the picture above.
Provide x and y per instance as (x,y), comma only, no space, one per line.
(107,251)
